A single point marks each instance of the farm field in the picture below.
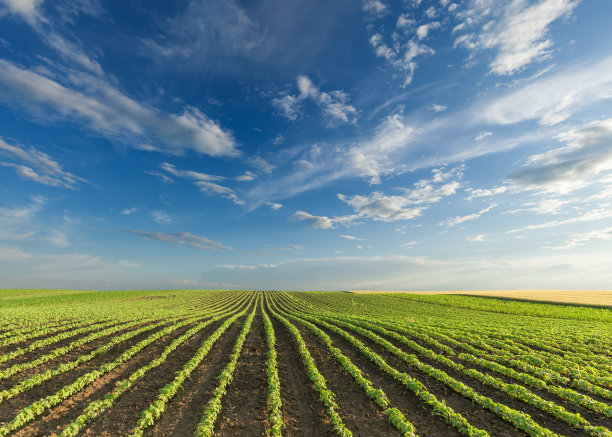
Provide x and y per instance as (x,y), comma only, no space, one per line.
(581,297)
(254,363)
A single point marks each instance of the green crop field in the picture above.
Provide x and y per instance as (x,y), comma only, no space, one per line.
(253,363)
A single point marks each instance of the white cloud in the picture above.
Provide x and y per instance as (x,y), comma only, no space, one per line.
(600,213)
(26,9)
(409,244)
(261,164)
(13,219)
(161,217)
(552,98)
(586,155)
(517,30)
(40,167)
(451,222)
(482,135)
(400,56)
(58,238)
(438,108)
(236,267)
(423,30)
(109,112)
(382,208)
(246,177)
(128,211)
(274,206)
(373,158)
(352,237)
(204,182)
(183,239)
(477,238)
(334,103)
(322,222)
(488,192)
(583,238)
(375,7)
(543,206)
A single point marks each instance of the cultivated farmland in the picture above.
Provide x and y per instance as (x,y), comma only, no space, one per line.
(252,363)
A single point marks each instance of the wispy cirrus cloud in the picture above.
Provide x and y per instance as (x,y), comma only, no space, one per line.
(583,238)
(516,30)
(457,220)
(334,104)
(183,239)
(204,182)
(33,164)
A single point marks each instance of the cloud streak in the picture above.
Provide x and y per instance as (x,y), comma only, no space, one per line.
(107,111)
(183,239)
(40,167)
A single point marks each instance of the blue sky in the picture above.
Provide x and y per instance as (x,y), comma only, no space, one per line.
(306,145)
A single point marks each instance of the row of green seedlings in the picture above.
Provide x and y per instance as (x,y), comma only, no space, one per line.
(37,408)
(558,345)
(38,378)
(584,375)
(500,356)
(213,408)
(16,368)
(597,365)
(565,394)
(514,390)
(377,395)
(153,412)
(13,329)
(44,331)
(275,414)
(517,418)
(97,407)
(48,341)
(549,370)
(590,384)
(5,373)
(538,377)
(580,357)
(416,387)
(326,396)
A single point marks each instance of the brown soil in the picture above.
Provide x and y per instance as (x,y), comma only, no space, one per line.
(361,415)
(247,415)
(10,407)
(303,413)
(54,420)
(183,414)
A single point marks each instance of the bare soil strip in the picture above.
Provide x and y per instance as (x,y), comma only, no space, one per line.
(582,297)
(184,412)
(54,420)
(361,415)
(303,413)
(245,411)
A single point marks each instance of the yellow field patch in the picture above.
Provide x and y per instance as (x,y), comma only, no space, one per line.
(585,297)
